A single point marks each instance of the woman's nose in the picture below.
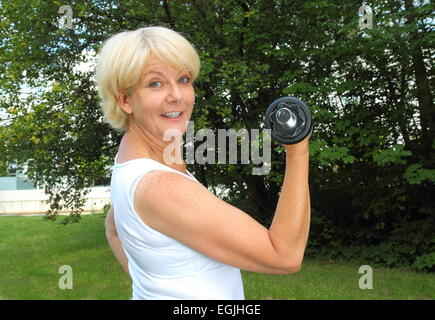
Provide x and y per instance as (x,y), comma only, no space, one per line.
(175,93)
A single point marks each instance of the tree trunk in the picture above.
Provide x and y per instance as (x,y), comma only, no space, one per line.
(424,96)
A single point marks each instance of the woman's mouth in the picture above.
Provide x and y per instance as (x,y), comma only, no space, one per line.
(172,116)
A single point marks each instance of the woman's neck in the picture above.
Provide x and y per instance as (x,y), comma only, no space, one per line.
(133,146)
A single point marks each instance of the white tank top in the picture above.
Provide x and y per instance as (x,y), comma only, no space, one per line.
(160,266)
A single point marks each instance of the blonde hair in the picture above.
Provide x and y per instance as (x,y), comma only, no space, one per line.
(121,61)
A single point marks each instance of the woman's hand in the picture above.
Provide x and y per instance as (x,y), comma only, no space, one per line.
(301,148)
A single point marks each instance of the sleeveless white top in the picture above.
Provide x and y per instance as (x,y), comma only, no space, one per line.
(160,266)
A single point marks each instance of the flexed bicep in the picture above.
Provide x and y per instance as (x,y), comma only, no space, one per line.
(188,212)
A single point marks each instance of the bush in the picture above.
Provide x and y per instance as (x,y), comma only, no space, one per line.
(425,262)
(406,244)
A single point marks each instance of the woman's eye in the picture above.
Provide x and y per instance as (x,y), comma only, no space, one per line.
(184,79)
(155,84)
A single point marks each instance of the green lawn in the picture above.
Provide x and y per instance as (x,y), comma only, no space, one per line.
(33,250)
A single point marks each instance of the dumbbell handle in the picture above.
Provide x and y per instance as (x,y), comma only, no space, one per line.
(285,117)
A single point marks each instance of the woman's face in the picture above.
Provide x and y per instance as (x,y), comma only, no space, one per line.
(163,89)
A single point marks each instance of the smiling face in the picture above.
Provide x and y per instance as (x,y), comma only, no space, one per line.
(162,89)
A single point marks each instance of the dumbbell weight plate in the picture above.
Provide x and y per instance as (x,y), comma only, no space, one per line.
(289,119)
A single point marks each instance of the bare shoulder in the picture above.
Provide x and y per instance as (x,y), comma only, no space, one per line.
(159,185)
(163,177)
(162,194)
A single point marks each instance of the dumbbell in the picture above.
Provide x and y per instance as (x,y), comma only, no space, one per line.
(289,119)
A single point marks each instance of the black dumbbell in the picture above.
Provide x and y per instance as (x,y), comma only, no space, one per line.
(289,120)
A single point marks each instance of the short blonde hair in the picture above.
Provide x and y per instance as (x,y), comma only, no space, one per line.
(121,61)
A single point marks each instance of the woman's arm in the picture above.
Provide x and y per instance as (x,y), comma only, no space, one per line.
(291,224)
(187,211)
(114,242)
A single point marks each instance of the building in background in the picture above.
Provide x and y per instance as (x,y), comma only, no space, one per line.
(15,180)
(20,196)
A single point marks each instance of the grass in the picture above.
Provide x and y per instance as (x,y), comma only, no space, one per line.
(33,250)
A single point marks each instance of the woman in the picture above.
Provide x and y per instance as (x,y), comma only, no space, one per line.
(173,237)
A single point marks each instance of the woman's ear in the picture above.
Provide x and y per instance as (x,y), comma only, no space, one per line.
(125,101)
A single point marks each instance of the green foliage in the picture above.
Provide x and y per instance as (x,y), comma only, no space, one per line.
(3,169)
(106,209)
(415,174)
(425,262)
(406,245)
(391,155)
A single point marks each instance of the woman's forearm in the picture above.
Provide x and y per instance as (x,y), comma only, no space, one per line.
(291,223)
(114,241)
(118,251)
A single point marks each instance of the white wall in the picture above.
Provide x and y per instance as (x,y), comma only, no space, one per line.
(33,201)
